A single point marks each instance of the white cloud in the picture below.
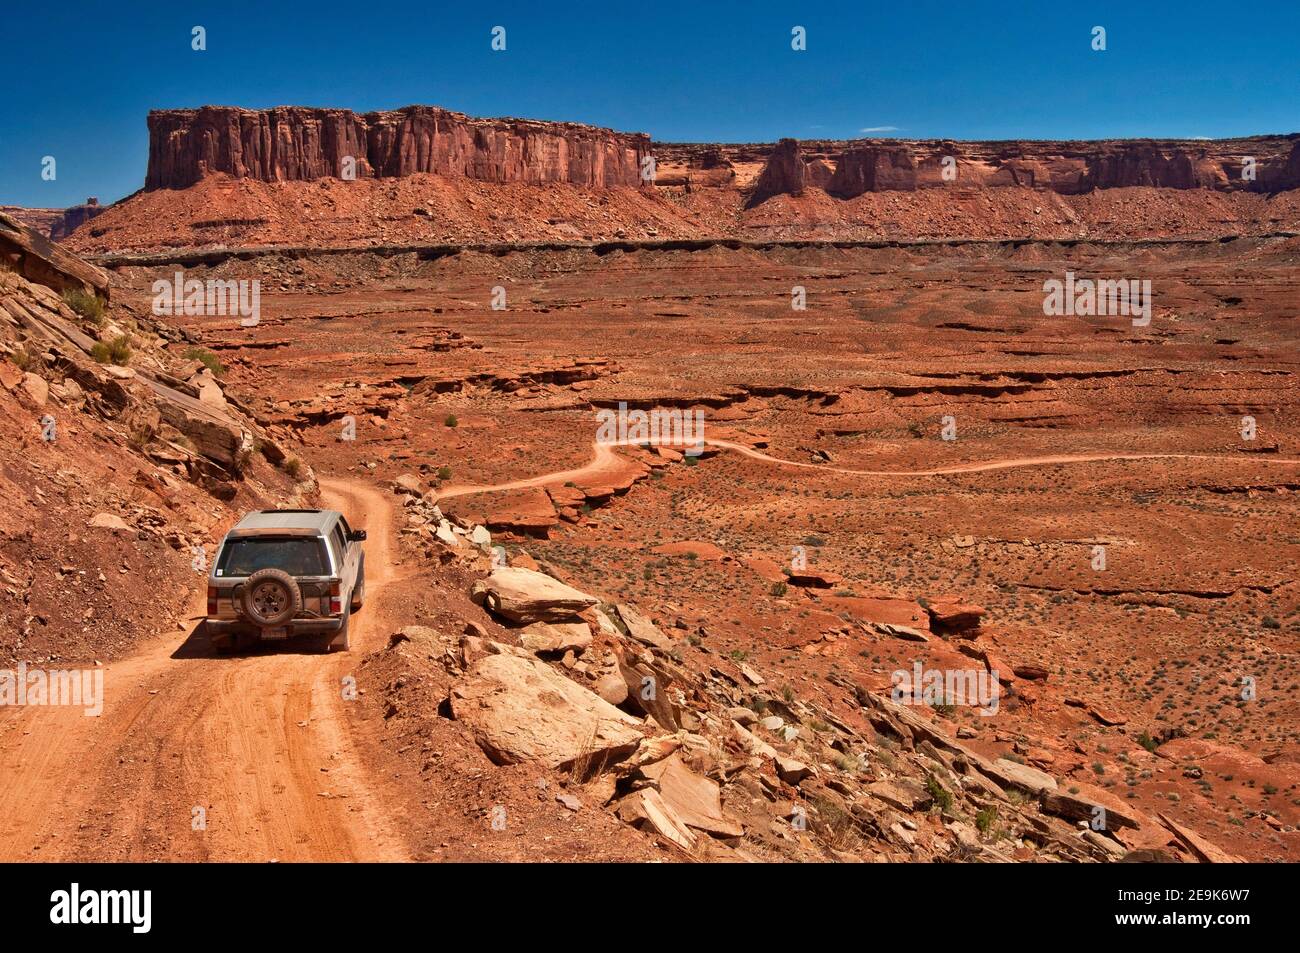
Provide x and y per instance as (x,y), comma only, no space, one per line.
(879,129)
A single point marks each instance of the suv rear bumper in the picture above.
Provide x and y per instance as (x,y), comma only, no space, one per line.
(292,628)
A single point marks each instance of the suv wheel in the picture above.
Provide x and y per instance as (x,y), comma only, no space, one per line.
(271,597)
(341,641)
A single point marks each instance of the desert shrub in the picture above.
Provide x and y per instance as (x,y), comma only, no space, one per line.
(942,798)
(206,358)
(451,420)
(444,473)
(87,305)
(779,589)
(292,466)
(117,351)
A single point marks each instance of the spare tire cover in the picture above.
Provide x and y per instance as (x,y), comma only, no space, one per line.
(271,597)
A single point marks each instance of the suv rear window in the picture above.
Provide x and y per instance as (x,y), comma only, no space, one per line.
(296,555)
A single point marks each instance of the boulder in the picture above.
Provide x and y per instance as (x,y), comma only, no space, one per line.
(694,799)
(612,688)
(526,596)
(409,484)
(1082,806)
(556,637)
(11,375)
(1012,774)
(110,521)
(36,389)
(904,632)
(521,710)
(905,794)
(1204,851)
(950,615)
(646,810)
(642,629)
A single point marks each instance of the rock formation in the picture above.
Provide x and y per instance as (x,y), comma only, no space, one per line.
(873,168)
(784,173)
(298,143)
(1064,167)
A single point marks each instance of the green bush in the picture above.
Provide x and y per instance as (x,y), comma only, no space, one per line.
(451,420)
(206,358)
(444,473)
(87,305)
(118,351)
(942,798)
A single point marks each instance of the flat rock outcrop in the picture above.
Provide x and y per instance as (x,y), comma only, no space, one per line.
(525,596)
(522,710)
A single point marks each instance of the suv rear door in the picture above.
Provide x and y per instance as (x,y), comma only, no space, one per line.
(346,556)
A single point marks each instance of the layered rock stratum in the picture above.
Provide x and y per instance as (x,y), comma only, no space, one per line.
(294,143)
(425,176)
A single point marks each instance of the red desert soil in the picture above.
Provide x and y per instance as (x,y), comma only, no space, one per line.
(824,432)
(265,743)
(261,742)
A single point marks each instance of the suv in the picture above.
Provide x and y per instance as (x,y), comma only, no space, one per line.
(279,573)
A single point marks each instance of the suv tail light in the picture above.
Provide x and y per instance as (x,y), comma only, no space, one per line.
(212,600)
(336,599)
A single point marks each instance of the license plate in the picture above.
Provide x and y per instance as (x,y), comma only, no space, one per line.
(281,633)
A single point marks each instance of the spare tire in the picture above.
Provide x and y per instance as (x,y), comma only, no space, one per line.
(271,597)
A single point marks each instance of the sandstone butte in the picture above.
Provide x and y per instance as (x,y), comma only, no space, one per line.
(311,177)
(299,143)
(295,143)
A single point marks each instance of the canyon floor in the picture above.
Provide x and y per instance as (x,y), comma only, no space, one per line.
(916,443)
(826,430)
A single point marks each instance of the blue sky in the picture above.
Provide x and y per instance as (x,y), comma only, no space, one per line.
(679,71)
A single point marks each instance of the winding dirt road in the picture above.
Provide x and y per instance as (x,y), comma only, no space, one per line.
(260,742)
(605,462)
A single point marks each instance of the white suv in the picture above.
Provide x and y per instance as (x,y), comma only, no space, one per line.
(282,573)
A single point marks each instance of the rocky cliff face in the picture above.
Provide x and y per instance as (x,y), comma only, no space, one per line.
(298,143)
(785,173)
(849,169)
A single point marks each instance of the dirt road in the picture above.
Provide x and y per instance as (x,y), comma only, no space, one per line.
(605,461)
(260,742)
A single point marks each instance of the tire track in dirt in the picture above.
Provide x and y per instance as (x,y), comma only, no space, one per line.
(244,737)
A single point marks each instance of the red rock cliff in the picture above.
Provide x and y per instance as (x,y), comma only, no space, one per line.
(1064,167)
(293,142)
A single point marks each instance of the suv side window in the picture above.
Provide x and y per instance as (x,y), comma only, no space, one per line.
(338,542)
